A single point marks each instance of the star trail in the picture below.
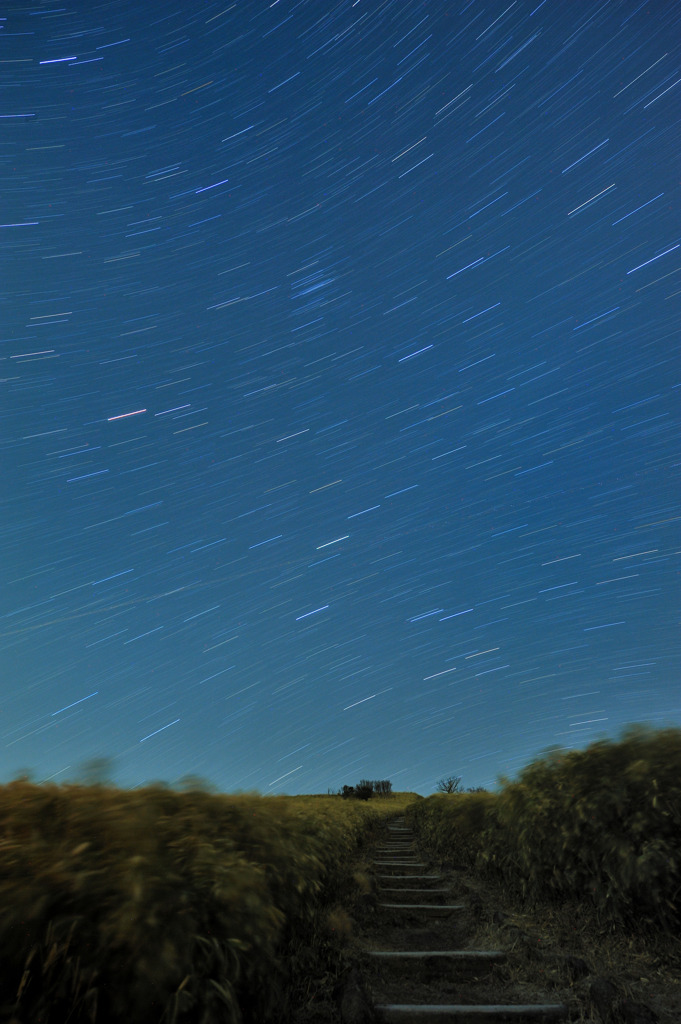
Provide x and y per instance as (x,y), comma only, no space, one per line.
(340,386)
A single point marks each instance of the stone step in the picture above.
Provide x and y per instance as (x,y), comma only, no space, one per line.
(436,909)
(392,1013)
(384,854)
(392,863)
(401,867)
(396,889)
(498,956)
(402,863)
(395,878)
(430,968)
(394,855)
(414,897)
(396,847)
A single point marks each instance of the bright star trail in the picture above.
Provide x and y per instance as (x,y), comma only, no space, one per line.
(340,387)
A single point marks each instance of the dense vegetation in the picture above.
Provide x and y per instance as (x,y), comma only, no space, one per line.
(366,789)
(602,824)
(158,905)
(168,906)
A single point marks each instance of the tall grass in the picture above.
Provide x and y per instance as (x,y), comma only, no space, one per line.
(154,905)
(602,824)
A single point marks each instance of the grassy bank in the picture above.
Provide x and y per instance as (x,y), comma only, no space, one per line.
(601,825)
(154,905)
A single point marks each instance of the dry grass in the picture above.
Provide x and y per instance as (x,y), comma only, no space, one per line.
(581,857)
(541,939)
(601,825)
(155,905)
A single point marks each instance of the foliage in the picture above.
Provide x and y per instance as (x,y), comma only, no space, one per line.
(602,823)
(157,905)
(382,787)
(365,789)
(452,825)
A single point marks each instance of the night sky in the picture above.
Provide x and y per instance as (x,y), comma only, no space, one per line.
(340,386)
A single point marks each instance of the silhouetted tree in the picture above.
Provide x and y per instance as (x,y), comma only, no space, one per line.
(450,784)
(365,789)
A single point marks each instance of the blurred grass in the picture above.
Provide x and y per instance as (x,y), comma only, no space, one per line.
(154,905)
(601,824)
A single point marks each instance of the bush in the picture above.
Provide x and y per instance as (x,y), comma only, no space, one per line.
(602,823)
(153,905)
(365,789)
(456,827)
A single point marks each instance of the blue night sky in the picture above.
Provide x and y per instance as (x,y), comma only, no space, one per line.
(339,354)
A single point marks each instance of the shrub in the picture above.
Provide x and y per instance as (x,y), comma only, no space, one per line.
(602,823)
(156,905)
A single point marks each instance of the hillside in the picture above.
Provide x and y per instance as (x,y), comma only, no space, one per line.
(160,906)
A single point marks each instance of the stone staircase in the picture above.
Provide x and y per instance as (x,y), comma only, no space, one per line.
(411,897)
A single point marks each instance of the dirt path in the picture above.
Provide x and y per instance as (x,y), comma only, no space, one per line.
(441,945)
(419,963)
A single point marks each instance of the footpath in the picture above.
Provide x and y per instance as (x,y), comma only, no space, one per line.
(416,963)
(439,944)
